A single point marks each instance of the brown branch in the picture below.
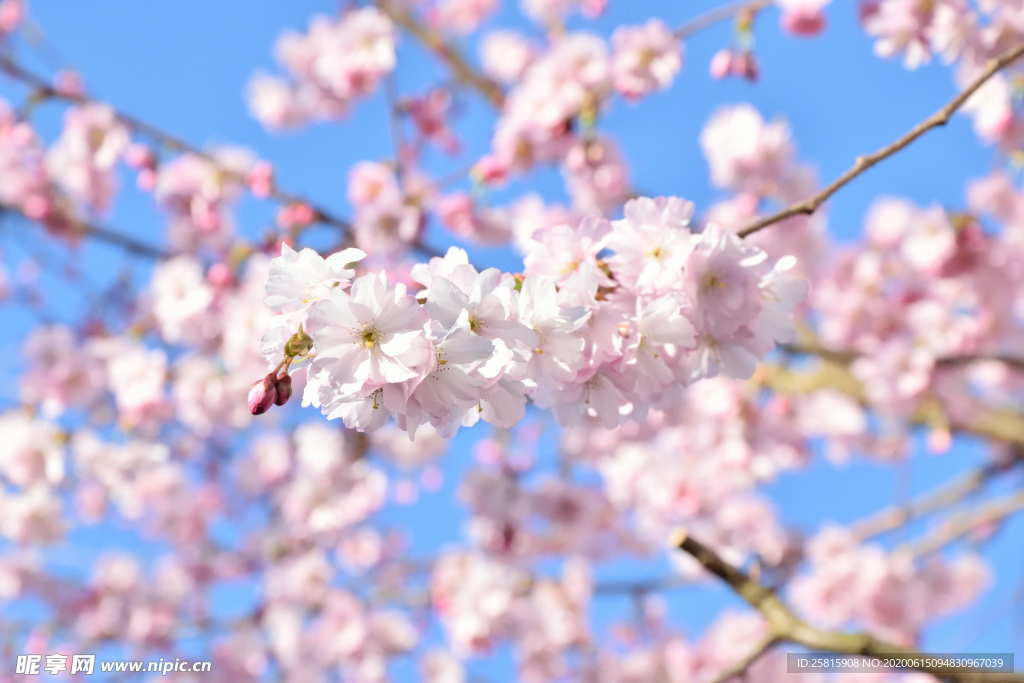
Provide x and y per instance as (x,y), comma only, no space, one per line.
(993,512)
(718,14)
(846,356)
(1015,362)
(896,516)
(437,42)
(80,228)
(863,163)
(641,586)
(786,626)
(996,424)
(43,90)
(123,241)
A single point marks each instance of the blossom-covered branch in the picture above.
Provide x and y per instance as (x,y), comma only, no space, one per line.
(591,338)
(999,425)
(786,626)
(121,240)
(43,89)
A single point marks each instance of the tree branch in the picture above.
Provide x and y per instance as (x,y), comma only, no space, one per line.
(121,240)
(641,586)
(786,626)
(993,512)
(43,89)
(718,14)
(896,516)
(437,43)
(863,163)
(997,424)
(848,356)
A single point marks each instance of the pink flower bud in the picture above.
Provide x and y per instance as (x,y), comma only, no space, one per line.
(139,156)
(261,179)
(745,65)
(867,9)
(283,390)
(36,207)
(262,395)
(804,22)
(11,13)
(721,64)
(295,216)
(490,170)
(220,275)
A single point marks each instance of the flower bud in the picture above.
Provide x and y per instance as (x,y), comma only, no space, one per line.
(721,64)
(262,395)
(746,66)
(283,390)
(261,179)
(489,170)
(220,275)
(804,22)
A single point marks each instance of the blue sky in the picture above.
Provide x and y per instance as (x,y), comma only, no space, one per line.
(184,66)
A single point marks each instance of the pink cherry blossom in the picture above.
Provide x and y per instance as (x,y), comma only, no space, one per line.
(645,58)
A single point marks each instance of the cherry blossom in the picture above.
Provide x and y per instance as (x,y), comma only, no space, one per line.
(483,404)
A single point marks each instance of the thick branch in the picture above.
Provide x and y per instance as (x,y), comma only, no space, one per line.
(786,626)
(437,42)
(1006,426)
(939,118)
(43,89)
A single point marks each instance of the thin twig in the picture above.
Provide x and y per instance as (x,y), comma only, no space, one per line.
(846,356)
(990,513)
(437,43)
(641,586)
(863,163)
(786,626)
(718,14)
(896,516)
(80,228)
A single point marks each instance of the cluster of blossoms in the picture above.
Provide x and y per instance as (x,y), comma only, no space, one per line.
(648,338)
(27,187)
(967,34)
(198,194)
(566,84)
(592,337)
(389,214)
(81,161)
(942,271)
(337,61)
(888,593)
